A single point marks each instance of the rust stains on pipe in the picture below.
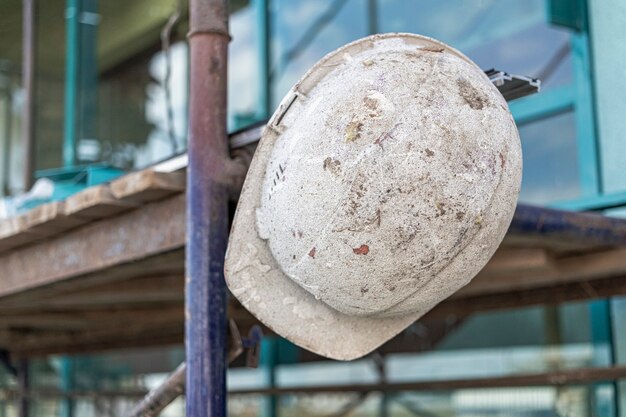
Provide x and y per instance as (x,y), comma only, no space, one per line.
(208,16)
(210,175)
(208,40)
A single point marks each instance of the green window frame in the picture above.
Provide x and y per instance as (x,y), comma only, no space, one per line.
(576,96)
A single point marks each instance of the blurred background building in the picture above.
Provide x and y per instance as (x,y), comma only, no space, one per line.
(111,88)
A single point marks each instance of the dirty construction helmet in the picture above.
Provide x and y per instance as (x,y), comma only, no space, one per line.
(383,183)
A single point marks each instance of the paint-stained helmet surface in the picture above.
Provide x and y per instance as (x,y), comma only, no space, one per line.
(383,183)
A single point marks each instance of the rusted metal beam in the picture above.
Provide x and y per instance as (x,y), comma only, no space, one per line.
(159,398)
(11,394)
(580,376)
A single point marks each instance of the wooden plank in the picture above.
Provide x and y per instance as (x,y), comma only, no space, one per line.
(50,219)
(46,321)
(516,259)
(156,229)
(38,223)
(460,305)
(95,203)
(150,289)
(38,394)
(159,227)
(13,233)
(579,268)
(170,263)
(446,315)
(49,331)
(554,245)
(148,185)
(95,319)
(117,263)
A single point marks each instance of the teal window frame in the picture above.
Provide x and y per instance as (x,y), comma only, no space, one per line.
(576,97)
(580,98)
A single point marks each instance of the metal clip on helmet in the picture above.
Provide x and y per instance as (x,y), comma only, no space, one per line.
(384,182)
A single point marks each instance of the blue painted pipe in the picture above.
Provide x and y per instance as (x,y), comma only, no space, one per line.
(568,226)
(205,294)
(207,211)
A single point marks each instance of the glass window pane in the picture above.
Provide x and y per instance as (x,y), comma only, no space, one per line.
(550,160)
(511,35)
(304,31)
(50,82)
(121,116)
(133,126)
(244,82)
(10,96)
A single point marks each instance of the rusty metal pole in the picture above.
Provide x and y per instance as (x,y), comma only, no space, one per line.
(159,398)
(207,211)
(23,382)
(29,51)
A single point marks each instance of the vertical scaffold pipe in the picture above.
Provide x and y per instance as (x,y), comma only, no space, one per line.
(207,211)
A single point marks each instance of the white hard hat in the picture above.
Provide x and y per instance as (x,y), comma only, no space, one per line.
(383,183)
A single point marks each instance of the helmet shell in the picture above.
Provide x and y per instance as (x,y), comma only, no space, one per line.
(390,174)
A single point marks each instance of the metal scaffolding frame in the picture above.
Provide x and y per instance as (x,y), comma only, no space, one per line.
(213,176)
